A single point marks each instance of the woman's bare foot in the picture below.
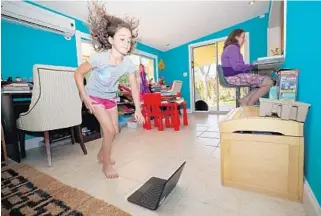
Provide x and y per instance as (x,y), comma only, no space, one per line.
(110,172)
(243,102)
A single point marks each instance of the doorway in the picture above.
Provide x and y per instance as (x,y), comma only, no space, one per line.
(206,92)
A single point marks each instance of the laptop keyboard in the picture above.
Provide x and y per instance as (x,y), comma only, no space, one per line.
(150,198)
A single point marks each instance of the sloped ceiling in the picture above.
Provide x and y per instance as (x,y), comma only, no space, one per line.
(168,24)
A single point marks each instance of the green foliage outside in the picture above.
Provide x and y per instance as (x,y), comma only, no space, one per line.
(206,85)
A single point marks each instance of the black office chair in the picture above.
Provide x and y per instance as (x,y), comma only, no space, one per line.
(225,84)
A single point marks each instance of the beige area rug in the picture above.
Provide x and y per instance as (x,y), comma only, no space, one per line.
(27,191)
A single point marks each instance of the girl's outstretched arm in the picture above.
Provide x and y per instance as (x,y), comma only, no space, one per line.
(135,94)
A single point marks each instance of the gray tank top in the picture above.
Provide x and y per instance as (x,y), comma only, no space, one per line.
(104,78)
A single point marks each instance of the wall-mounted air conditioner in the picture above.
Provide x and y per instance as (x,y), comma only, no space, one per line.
(34,16)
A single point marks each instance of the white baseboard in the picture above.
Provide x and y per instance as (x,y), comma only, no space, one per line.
(33,143)
(310,203)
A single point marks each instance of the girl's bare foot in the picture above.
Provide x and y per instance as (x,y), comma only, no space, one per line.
(109,172)
(100,159)
(112,161)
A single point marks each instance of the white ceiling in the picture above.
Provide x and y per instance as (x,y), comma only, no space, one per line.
(171,22)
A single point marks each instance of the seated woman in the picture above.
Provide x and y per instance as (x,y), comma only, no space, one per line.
(236,72)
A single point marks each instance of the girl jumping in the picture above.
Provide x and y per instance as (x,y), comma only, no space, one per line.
(113,39)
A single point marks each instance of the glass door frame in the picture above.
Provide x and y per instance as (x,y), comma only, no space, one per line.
(191,69)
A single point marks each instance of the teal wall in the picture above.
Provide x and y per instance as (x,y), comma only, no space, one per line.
(303,47)
(177,60)
(22,47)
(149,49)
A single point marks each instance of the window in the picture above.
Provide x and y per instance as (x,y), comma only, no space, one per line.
(149,67)
(87,50)
(148,64)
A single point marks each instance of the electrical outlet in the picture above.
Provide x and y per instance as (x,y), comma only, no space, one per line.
(185,74)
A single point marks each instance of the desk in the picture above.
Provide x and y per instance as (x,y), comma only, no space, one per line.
(9,118)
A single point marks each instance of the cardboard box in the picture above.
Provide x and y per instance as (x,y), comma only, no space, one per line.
(132,123)
(286,110)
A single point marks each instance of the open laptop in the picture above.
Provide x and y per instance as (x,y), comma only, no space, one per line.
(155,190)
(177,86)
(268,64)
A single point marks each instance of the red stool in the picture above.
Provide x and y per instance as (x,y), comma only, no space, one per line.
(152,108)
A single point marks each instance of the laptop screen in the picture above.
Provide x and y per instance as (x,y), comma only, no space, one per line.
(177,86)
(172,181)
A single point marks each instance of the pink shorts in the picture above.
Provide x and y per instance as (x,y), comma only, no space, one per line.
(248,79)
(106,103)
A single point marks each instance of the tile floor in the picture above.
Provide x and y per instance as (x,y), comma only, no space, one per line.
(140,154)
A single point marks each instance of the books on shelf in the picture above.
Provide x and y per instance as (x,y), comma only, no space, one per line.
(125,102)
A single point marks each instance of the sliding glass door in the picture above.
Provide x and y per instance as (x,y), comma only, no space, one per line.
(208,94)
(205,85)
